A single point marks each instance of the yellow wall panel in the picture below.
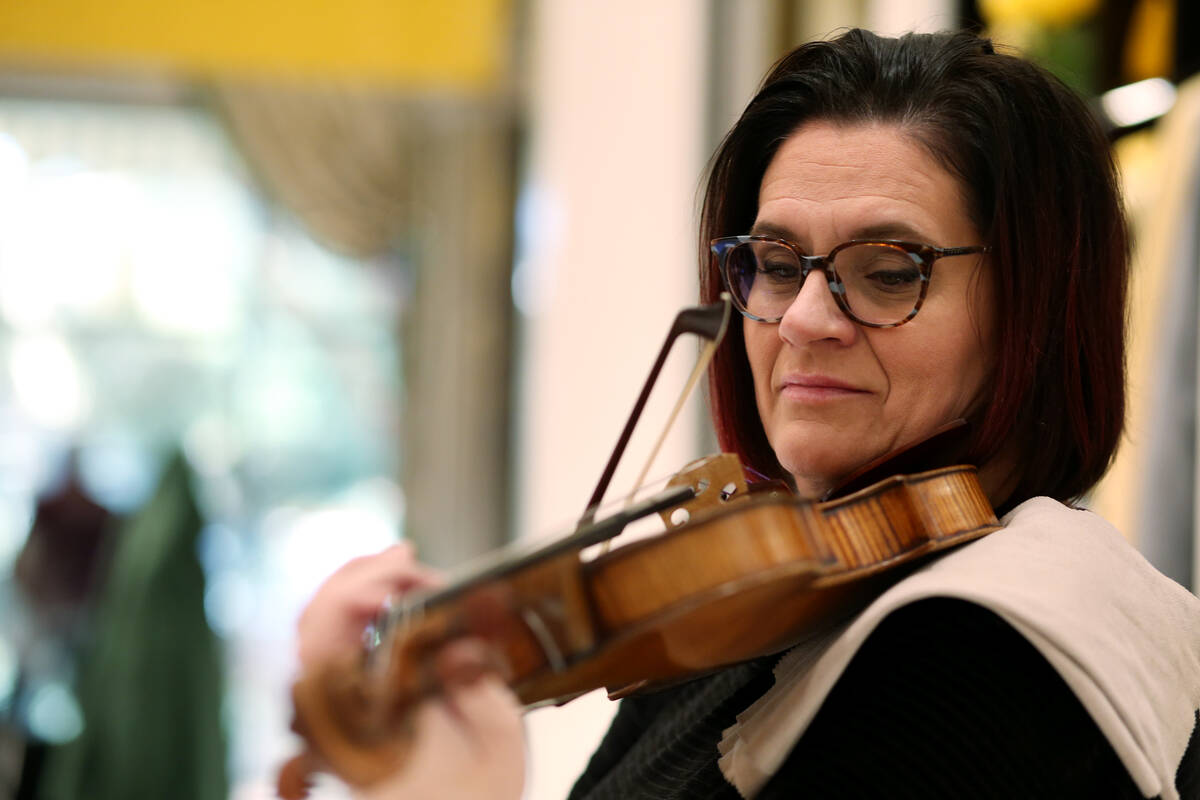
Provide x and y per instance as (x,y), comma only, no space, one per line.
(449,43)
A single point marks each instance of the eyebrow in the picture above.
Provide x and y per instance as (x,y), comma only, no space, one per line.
(769,229)
(881,230)
(891,230)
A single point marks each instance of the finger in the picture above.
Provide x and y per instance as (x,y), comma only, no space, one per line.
(439,729)
(362,585)
(445,762)
(462,662)
(351,597)
(469,742)
(489,719)
(489,713)
(439,746)
(395,568)
(390,573)
(476,693)
(396,560)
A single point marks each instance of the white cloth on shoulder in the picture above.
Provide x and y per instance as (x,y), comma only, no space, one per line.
(1123,637)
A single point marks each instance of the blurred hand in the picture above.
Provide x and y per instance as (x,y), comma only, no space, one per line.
(333,621)
(468,742)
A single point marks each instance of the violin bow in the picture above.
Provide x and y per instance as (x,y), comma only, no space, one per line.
(709,323)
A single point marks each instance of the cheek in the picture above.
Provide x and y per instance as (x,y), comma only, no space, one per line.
(762,347)
(937,380)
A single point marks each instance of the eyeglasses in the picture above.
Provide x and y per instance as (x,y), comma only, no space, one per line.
(880,284)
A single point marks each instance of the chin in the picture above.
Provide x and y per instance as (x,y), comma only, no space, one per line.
(821,463)
(814,477)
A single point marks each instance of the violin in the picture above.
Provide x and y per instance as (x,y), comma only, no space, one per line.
(656,611)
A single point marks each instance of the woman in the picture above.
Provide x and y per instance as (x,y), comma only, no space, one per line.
(973,264)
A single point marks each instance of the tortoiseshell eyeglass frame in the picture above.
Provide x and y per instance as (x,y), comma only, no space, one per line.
(923,255)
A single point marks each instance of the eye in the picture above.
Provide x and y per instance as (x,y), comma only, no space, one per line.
(778,269)
(879,270)
(890,279)
(774,264)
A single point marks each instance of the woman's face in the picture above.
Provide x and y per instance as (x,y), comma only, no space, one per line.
(834,395)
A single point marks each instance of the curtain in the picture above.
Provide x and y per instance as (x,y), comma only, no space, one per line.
(423,185)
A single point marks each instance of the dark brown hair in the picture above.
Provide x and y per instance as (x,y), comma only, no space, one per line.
(1042,191)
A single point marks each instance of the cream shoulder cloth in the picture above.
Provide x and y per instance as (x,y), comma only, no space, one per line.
(1123,637)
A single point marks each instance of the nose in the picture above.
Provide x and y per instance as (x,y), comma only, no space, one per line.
(815,315)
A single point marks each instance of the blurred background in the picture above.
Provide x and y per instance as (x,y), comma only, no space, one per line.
(284,283)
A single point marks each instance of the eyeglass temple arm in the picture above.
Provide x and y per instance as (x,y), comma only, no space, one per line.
(942,252)
(708,322)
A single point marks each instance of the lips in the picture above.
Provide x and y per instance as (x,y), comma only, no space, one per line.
(816,388)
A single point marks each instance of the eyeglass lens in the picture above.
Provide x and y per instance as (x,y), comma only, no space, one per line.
(880,283)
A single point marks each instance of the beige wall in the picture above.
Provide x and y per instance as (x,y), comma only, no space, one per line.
(608,257)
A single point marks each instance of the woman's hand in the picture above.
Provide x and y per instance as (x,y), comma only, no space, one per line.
(467,741)
(333,621)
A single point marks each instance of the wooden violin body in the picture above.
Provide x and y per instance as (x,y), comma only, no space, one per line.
(738,580)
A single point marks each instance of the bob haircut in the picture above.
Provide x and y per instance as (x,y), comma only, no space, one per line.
(1042,190)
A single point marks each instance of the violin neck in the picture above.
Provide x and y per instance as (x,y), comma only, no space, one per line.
(495,566)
